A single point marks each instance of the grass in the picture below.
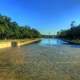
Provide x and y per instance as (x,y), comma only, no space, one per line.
(76,41)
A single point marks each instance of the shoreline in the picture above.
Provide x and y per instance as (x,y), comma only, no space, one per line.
(73,41)
(27,42)
(16,43)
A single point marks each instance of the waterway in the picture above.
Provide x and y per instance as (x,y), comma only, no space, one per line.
(49,59)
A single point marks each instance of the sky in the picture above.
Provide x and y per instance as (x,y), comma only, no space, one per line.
(47,16)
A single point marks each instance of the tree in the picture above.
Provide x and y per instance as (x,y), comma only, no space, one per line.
(72,33)
(11,30)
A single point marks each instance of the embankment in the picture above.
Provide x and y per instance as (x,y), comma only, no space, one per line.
(5,44)
(17,43)
(27,42)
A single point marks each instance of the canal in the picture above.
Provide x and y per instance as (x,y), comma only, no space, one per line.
(49,59)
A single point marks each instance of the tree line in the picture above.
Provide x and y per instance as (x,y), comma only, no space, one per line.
(11,30)
(72,33)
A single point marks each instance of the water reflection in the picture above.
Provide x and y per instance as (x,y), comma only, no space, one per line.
(51,42)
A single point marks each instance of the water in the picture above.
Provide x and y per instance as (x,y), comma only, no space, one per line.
(52,42)
(39,61)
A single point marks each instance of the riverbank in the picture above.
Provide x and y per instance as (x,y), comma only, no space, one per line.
(71,41)
(16,43)
(21,43)
(76,41)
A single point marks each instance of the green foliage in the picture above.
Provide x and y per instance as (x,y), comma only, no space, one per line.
(72,33)
(11,30)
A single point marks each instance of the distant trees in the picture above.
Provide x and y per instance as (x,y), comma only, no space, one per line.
(72,33)
(11,30)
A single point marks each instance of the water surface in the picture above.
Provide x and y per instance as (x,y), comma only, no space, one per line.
(52,42)
(46,60)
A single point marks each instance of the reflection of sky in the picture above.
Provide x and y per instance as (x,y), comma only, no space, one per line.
(45,15)
(57,42)
(51,42)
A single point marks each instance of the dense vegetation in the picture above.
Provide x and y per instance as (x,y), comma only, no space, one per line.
(11,30)
(72,33)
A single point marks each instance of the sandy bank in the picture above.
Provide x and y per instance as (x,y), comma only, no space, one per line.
(15,43)
(5,44)
(27,42)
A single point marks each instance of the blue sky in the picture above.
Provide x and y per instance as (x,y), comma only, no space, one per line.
(44,15)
